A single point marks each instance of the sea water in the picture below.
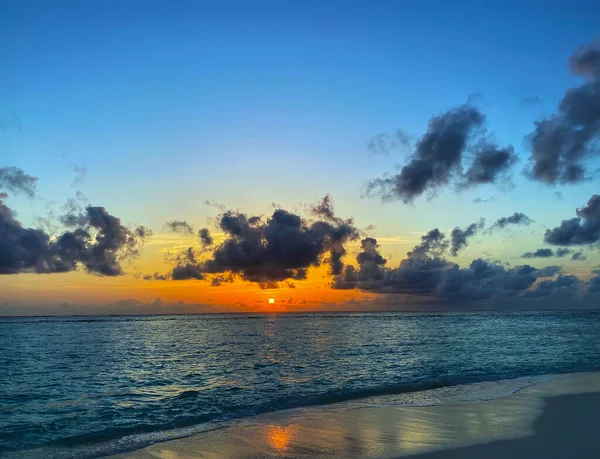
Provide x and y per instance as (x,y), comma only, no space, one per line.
(91,386)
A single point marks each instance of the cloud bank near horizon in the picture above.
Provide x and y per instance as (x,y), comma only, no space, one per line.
(284,246)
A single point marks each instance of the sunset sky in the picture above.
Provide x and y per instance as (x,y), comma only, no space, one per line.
(161,113)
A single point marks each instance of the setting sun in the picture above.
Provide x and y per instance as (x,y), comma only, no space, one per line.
(271,300)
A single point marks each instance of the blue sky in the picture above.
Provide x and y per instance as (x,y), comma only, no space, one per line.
(248,103)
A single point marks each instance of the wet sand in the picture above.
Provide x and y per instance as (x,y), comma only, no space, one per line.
(556,419)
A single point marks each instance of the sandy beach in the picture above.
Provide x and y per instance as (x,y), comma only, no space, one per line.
(554,419)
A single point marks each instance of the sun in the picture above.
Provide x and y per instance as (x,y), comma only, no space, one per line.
(271,300)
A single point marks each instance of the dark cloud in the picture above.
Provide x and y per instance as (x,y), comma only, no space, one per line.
(218,280)
(459,236)
(489,165)
(585,61)
(72,214)
(16,180)
(426,272)
(579,256)
(180,226)
(98,243)
(549,271)
(539,253)
(581,230)
(370,268)
(593,285)
(280,248)
(518,218)
(558,196)
(434,242)
(113,242)
(268,285)
(324,208)
(562,144)
(562,285)
(205,237)
(438,158)
(187,266)
(563,251)
(156,276)
(187,271)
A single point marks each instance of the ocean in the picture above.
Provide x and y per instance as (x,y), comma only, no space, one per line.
(91,386)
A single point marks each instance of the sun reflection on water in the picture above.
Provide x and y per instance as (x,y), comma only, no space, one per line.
(279,438)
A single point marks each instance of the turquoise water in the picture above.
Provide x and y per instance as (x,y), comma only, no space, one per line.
(89,386)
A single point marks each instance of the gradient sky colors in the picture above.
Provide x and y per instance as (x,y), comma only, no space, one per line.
(160,112)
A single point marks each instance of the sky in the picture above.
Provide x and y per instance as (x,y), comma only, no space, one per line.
(353,129)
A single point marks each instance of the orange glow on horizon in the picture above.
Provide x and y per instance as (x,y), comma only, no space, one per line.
(102,295)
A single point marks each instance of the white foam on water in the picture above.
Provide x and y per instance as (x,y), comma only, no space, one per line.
(455,395)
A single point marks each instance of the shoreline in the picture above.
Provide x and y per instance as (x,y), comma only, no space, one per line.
(528,419)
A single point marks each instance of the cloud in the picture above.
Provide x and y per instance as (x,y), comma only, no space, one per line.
(482,200)
(425,272)
(518,218)
(437,160)
(489,166)
(563,251)
(579,256)
(113,242)
(581,230)
(324,208)
(205,237)
(187,266)
(530,101)
(539,253)
(180,226)
(593,285)
(279,248)
(215,204)
(218,280)
(434,242)
(383,143)
(80,174)
(16,180)
(98,243)
(459,237)
(585,61)
(562,143)
(564,285)
(156,276)
(370,268)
